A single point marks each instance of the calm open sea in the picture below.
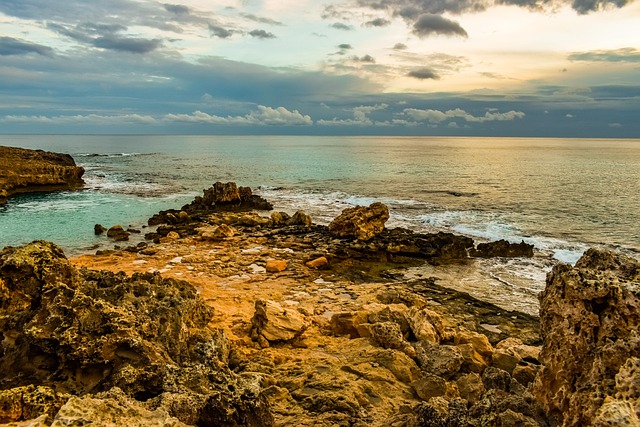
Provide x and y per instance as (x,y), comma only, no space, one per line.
(562,195)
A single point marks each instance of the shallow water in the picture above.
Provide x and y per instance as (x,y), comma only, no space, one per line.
(562,195)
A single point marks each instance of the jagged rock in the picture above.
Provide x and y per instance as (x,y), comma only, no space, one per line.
(426,324)
(27,171)
(361,222)
(228,196)
(274,323)
(589,318)
(439,412)
(436,248)
(429,386)
(99,229)
(442,360)
(496,378)
(216,232)
(81,332)
(503,248)
(471,387)
(480,342)
(29,402)
(118,233)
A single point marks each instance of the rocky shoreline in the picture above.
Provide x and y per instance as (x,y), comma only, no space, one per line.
(33,171)
(232,318)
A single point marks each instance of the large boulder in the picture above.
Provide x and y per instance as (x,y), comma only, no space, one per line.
(228,196)
(85,332)
(28,171)
(504,249)
(590,318)
(361,222)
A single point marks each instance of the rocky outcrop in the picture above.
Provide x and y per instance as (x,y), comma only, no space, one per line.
(590,318)
(272,323)
(30,171)
(361,222)
(143,340)
(504,249)
(228,196)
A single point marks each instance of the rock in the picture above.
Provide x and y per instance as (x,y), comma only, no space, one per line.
(494,378)
(86,332)
(504,249)
(99,229)
(279,219)
(429,386)
(317,263)
(216,232)
(118,233)
(616,413)
(360,222)
(300,218)
(172,235)
(505,360)
(276,265)
(252,219)
(439,412)
(436,248)
(589,319)
(442,360)
(426,324)
(472,361)
(29,402)
(228,196)
(274,323)
(28,171)
(399,364)
(343,324)
(480,342)
(471,387)
(387,335)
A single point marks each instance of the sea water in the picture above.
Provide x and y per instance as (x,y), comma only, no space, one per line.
(561,195)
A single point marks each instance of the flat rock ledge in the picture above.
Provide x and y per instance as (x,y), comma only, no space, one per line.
(32,171)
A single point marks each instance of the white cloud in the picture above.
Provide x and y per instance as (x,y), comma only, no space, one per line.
(360,117)
(437,116)
(92,119)
(263,116)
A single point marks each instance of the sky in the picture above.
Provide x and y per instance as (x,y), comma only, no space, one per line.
(541,68)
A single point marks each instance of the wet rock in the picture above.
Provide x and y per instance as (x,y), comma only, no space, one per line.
(279,219)
(118,233)
(86,332)
(273,323)
(228,196)
(361,222)
(27,171)
(436,248)
(503,248)
(99,229)
(300,218)
(590,317)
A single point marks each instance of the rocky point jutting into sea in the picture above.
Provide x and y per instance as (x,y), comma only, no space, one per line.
(227,317)
(30,171)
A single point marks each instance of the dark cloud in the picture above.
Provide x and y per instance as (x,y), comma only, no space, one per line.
(176,9)
(424,74)
(430,24)
(345,46)
(11,46)
(586,6)
(126,44)
(262,34)
(261,19)
(627,54)
(220,32)
(366,58)
(341,26)
(378,22)
(399,46)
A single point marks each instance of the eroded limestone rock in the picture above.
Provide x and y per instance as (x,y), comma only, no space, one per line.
(361,222)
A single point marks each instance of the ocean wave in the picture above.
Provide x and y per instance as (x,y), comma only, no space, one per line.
(111,154)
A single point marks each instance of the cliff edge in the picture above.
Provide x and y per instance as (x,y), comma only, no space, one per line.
(30,171)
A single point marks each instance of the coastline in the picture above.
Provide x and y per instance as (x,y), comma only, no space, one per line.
(326,326)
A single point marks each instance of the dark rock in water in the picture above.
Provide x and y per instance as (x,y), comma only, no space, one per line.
(34,171)
(99,229)
(118,233)
(220,197)
(590,318)
(361,222)
(502,248)
(79,332)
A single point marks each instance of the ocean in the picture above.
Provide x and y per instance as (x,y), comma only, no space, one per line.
(561,195)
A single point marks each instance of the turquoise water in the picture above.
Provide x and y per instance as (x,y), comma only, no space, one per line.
(563,195)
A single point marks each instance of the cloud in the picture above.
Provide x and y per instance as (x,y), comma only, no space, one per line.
(262,34)
(437,116)
(92,119)
(345,46)
(220,32)
(261,19)
(430,24)
(399,46)
(360,117)
(586,6)
(366,58)
(124,44)
(341,26)
(625,54)
(424,74)
(378,22)
(10,46)
(176,9)
(262,117)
